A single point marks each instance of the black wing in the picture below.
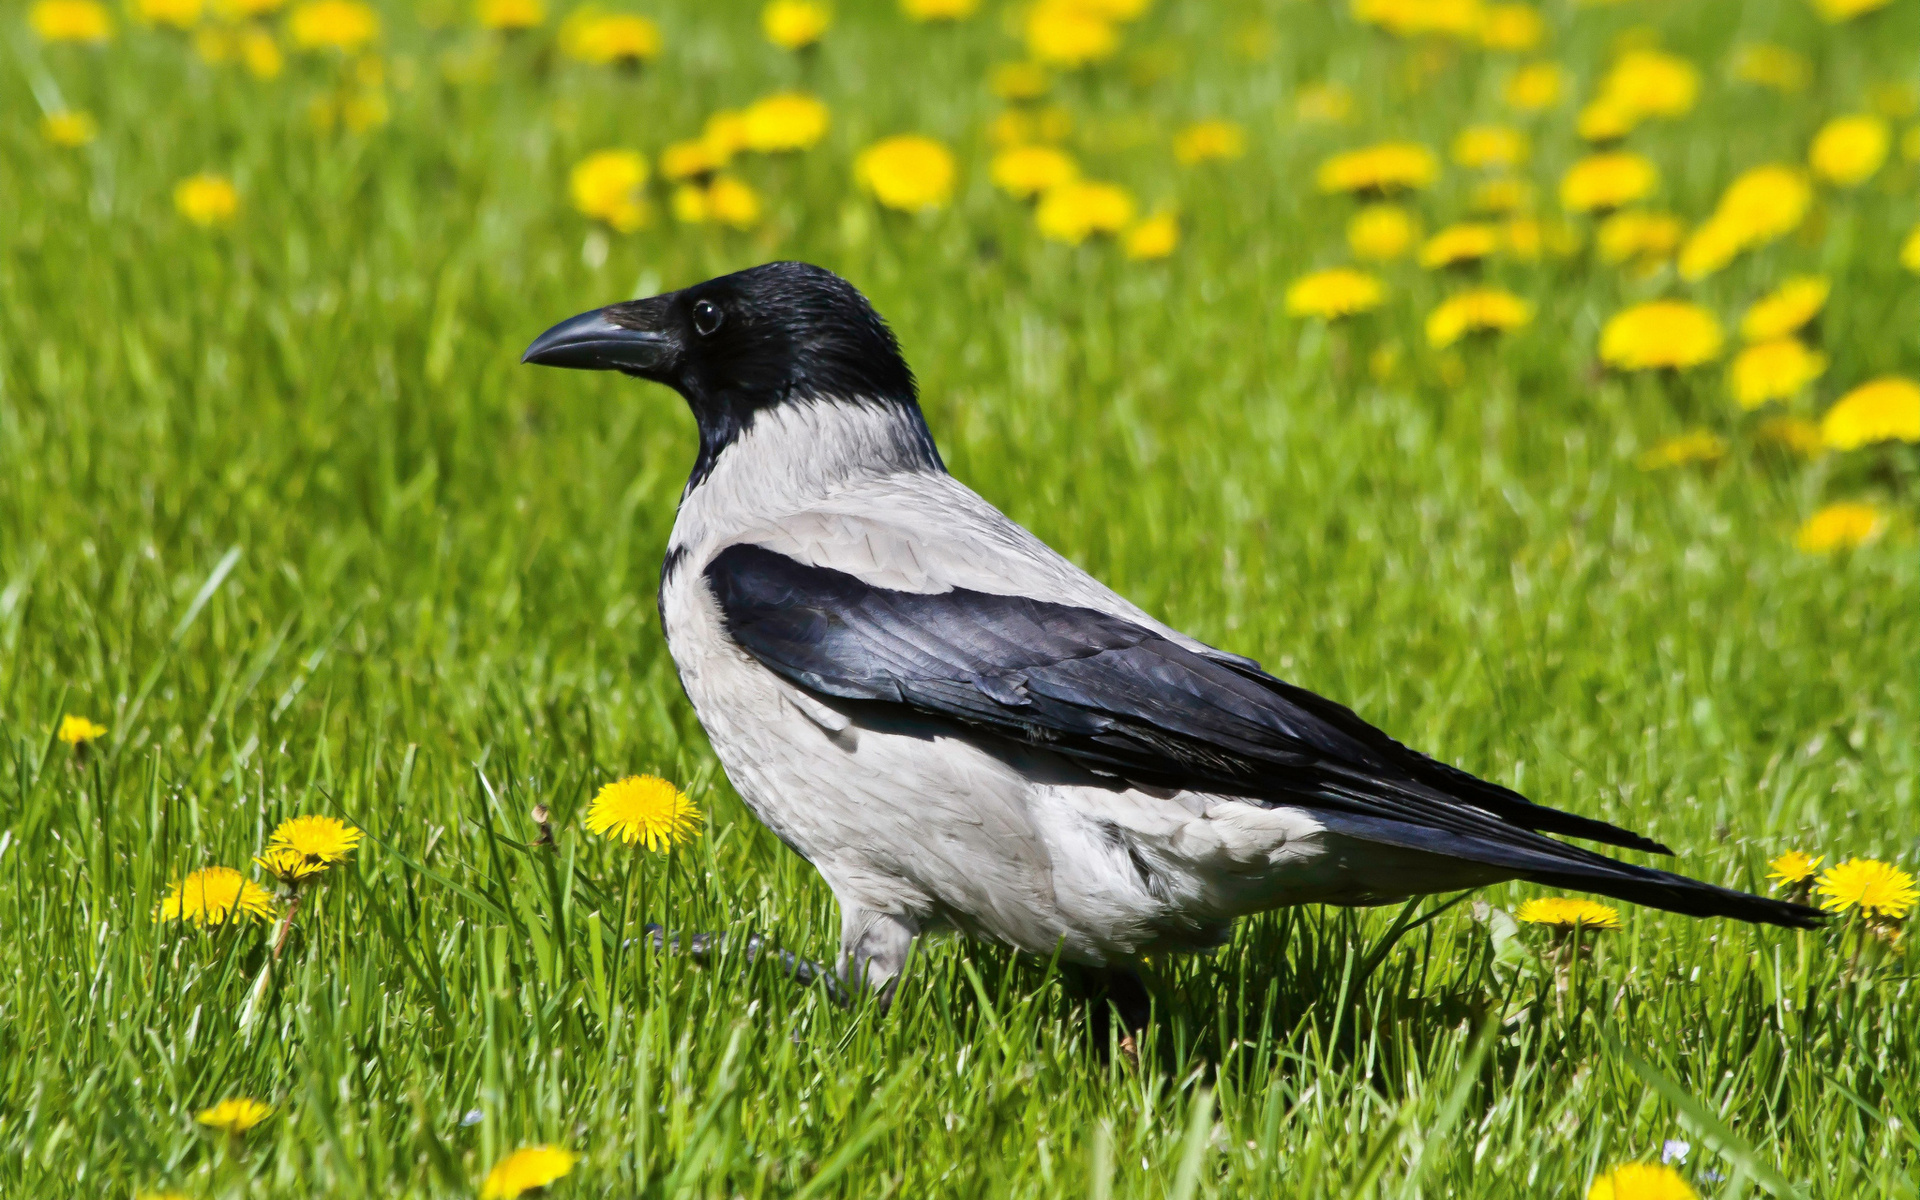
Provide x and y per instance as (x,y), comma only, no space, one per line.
(1127,702)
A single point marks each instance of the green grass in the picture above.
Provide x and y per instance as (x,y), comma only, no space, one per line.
(278,507)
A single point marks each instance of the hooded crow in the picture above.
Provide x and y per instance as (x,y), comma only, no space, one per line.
(960,728)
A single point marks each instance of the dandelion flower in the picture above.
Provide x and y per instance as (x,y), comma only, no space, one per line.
(1381,232)
(524,1170)
(1695,446)
(1795,434)
(1481,146)
(1061,33)
(288,865)
(609,39)
(643,808)
(234,1115)
(1848,150)
(319,841)
(1467,242)
(333,25)
(1334,293)
(1660,333)
(1635,235)
(206,200)
(1074,210)
(1768,65)
(1652,83)
(78,731)
(1605,120)
(179,14)
(1641,1181)
(733,203)
(1535,87)
(1560,912)
(689,159)
(1837,11)
(1203,141)
(1155,237)
(1765,202)
(725,134)
(1383,168)
(217,896)
(906,172)
(69,128)
(1600,182)
(1024,172)
(1511,27)
(1910,251)
(511,16)
(1482,310)
(1883,410)
(784,121)
(1840,526)
(606,186)
(1785,309)
(1776,370)
(794,24)
(1874,887)
(939,10)
(1323,104)
(1495,197)
(71,21)
(1793,869)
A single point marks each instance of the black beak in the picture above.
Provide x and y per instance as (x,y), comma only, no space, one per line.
(592,342)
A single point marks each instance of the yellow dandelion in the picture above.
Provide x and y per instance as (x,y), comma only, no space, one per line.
(606,186)
(1061,33)
(524,1170)
(1334,293)
(180,14)
(1874,887)
(1323,104)
(733,203)
(1019,81)
(1481,310)
(318,840)
(1794,434)
(1512,27)
(1784,310)
(288,865)
(1386,167)
(1413,18)
(1768,65)
(1561,912)
(1155,237)
(1695,446)
(1204,141)
(1765,203)
(1605,120)
(1793,869)
(1082,207)
(1641,1181)
(1776,370)
(1848,150)
(1840,526)
(908,172)
(1910,251)
(1601,182)
(333,25)
(1381,232)
(725,134)
(69,128)
(795,24)
(1652,83)
(236,1114)
(247,10)
(689,159)
(78,731)
(1837,11)
(1882,410)
(784,121)
(1661,333)
(217,896)
(1710,247)
(510,16)
(1481,146)
(206,200)
(939,10)
(1466,242)
(1535,87)
(1024,172)
(1497,197)
(644,808)
(260,54)
(609,39)
(70,21)
(1636,235)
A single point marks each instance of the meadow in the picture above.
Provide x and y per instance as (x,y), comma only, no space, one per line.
(282,516)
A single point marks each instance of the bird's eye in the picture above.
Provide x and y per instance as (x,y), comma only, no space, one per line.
(706,317)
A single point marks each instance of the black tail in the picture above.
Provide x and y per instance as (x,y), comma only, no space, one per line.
(1677,893)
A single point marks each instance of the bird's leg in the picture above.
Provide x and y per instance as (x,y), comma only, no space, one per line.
(873,949)
(701,948)
(1112,992)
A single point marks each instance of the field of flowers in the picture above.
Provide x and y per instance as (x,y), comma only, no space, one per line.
(1543,380)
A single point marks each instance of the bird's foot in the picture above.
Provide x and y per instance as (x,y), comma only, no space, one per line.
(704,947)
(1114,993)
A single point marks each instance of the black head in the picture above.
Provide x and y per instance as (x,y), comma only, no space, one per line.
(782,333)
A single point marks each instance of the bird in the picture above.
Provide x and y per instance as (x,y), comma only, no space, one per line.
(960,729)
